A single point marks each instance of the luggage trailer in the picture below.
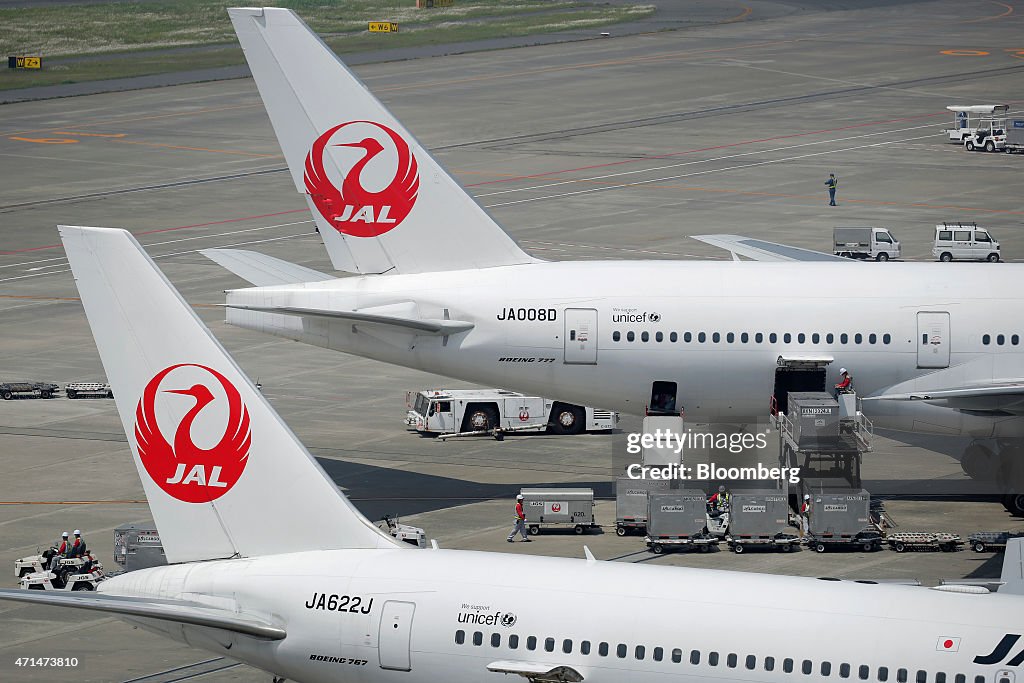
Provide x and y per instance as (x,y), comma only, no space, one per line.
(678,520)
(564,508)
(631,503)
(760,519)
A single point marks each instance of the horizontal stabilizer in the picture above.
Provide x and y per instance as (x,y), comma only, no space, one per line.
(178,611)
(425,326)
(1003,399)
(262,270)
(759,250)
(537,672)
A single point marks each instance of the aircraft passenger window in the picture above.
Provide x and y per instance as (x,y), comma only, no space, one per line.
(960,678)
(863,672)
(730,661)
(986,339)
(872,338)
(602,649)
(630,336)
(659,654)
(844,670)
(844,338)
(922,676)
(585,647)
(826,668)
(815,338)
(801,338)
(716,337)
(769,663)
(549,645)
(702,337)
(787,665)
(883,673)
(886,338)
(901,676)
(773,337)
(616,335)
(751,661)
(829,338)
(677,655)
(567,646)
(478,638)
(787,337)
(495,640)
(531,643)
(674,337)
(694,656)
(460,637)
(621,650)
(807,667)
(513,642)
(979,679)
(687,337)
(858,338)
(730,337)
(1015,339)
(645,336)
(940,677)
(1000,339)
(659,336)
(712,659)
(744,337)
(758,337)
(639,652)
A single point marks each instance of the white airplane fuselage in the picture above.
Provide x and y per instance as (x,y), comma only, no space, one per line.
(437,615)
(897,326)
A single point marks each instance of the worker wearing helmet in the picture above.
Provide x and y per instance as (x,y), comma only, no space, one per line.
(62,550)
(520,525)
(832,183)
(805,515)
(719,501)
(77,548)
(845,385)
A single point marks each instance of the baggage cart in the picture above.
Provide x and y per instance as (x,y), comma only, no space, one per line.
(138,546)
(841,518)
(678,520)
(904,541)
(631,503)
(567,508)
(760,519)
(981,541)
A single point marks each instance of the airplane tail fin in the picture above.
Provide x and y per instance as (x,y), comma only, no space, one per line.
(381,202)
(224,476)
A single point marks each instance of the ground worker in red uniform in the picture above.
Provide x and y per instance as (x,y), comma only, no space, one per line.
(61,551)
(845,385)
(520,526)
(805,516)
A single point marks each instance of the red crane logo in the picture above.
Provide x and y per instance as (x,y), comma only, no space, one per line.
(352,209)
(184,470)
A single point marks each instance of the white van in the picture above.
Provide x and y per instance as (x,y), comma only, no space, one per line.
(964,241)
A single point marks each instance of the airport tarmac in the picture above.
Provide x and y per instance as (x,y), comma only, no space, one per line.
(614,149)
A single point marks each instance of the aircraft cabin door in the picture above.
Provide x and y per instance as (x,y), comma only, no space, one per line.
(393,642)
(932,340)
(581,336)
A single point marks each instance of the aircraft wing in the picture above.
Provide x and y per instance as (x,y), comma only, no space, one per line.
(424,326)
(262,270)
(1012,576)
(760,250)
(1004,398)
(178,611)
(537,672)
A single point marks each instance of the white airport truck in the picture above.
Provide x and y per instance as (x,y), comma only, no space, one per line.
(965,242)
(877,244)
(466,411)
(968,118)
